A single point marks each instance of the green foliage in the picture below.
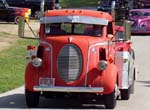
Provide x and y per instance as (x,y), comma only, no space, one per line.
(12,65)
(78,3)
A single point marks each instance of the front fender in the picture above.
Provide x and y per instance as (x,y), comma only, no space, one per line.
(110,78)
(31,77)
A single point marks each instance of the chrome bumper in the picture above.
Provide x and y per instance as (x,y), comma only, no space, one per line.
(68,89)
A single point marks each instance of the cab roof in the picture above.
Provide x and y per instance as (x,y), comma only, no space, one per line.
(78,12)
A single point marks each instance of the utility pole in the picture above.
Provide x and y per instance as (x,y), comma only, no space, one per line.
(42,7)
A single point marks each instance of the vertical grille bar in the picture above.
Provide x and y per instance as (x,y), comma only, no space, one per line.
(69,63)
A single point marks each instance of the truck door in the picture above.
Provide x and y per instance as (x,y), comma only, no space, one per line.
(3,11)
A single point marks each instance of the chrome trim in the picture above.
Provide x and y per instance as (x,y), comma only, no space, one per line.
(74,19)
(69,63)
(51,53)
(126,71)
(68,89)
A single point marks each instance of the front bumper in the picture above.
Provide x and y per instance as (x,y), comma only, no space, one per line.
(68,89)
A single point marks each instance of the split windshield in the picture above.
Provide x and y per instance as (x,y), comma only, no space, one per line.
(65,25)
(73,29)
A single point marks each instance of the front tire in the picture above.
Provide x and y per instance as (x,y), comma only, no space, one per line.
(32,98)
(110,100)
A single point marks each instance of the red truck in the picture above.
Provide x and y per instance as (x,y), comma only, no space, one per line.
(71,62)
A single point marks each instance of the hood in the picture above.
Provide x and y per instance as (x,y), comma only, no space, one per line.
(79,40)
(71,54)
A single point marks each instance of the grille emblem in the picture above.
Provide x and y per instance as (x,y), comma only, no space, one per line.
(70,39)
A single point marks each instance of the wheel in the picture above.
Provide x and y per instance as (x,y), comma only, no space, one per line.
(37,14)
(32,98)
(125,94)
(16,20)
(110,100)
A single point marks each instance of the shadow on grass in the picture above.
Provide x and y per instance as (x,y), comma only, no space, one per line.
(6,33)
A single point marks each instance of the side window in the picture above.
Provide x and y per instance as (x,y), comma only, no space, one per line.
(109,28)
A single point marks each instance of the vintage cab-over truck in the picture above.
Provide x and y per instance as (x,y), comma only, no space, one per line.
(70,62)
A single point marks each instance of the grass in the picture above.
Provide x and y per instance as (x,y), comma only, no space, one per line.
(12,65)
(78,3)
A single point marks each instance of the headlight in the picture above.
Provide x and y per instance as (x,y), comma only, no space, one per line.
(37,62)
(102,65)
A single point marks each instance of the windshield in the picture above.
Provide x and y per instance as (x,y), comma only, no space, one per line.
(73,29)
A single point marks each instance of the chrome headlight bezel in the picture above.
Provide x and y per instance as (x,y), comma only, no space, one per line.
(102,65)
(37,62)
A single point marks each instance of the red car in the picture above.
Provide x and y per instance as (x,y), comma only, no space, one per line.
(71,63)
(12,14)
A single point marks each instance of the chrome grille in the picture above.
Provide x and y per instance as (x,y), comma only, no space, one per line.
(69,63)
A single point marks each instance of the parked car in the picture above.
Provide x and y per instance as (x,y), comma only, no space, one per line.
(140,20)
(141,4)
(34,5)
(122,7)
(12,14)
